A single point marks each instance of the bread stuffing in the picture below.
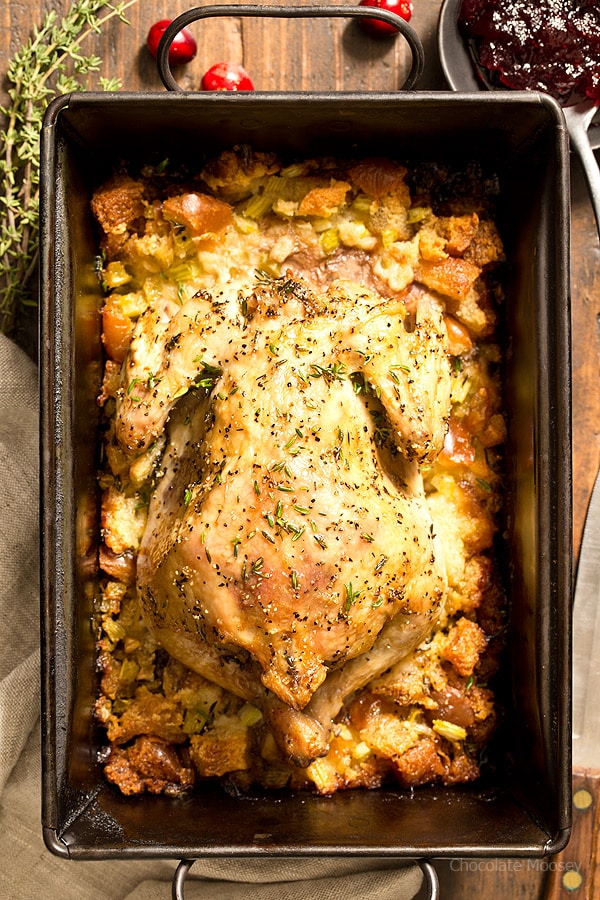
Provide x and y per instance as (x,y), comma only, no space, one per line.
(301,475)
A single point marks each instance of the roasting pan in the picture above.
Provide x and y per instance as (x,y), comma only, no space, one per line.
(521,804)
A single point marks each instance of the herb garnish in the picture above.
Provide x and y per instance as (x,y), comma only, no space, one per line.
(49,64)
(352,596)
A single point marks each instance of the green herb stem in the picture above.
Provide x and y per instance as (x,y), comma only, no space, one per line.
(37,73)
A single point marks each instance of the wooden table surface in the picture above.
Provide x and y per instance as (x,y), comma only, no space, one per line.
(327,54)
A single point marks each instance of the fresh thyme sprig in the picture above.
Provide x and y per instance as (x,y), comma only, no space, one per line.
(50,63)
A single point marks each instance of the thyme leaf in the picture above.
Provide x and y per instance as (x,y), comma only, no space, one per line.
(50,63)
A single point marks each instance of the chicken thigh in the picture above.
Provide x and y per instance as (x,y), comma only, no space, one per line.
(288,553)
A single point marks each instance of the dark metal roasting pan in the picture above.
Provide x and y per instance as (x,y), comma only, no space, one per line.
(521,804)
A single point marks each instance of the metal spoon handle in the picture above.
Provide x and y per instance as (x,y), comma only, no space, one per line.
(578,120)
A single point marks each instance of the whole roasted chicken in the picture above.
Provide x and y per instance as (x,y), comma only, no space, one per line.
(289,555)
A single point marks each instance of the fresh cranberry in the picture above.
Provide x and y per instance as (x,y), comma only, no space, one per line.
(378,27)
(183,47)
(226,76)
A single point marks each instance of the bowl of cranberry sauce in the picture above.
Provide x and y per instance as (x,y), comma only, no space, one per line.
(551,45)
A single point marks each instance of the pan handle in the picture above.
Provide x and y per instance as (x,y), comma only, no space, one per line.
(289,12)
(429,874)
(181,871)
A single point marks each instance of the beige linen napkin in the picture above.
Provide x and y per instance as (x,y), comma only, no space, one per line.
(19,586)
(27,869)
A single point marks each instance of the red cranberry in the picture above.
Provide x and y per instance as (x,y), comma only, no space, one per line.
(378,27)
(183,47)
(226,76)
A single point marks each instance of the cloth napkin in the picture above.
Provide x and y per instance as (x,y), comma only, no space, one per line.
(28,869)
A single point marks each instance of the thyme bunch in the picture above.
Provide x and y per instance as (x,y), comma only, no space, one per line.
(52,62)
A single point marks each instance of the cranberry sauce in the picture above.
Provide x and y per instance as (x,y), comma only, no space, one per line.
(545,45)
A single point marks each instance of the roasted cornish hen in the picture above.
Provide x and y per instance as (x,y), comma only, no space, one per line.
(289,554)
